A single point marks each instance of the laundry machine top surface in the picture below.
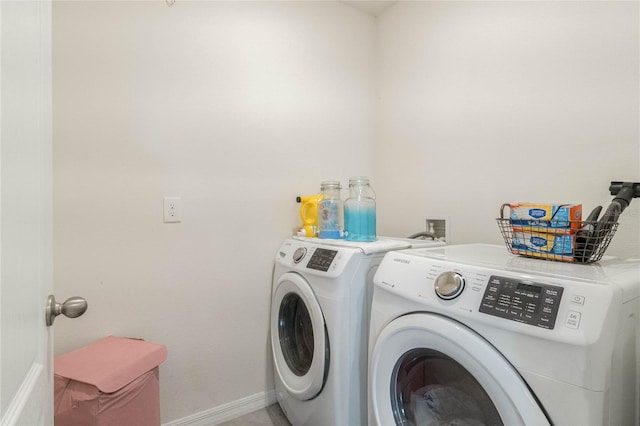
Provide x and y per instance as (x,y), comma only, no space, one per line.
(381,245)
(625,272)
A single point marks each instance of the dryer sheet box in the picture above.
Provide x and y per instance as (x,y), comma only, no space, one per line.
(545,230)
(544,244)
(550,217)
(111,382)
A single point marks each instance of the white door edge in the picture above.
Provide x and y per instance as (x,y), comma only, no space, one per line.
(22,396)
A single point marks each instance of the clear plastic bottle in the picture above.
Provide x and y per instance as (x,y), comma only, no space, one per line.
(330,211)
(360,211)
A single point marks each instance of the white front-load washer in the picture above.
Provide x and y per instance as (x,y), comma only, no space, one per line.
(319,327)
(470,334)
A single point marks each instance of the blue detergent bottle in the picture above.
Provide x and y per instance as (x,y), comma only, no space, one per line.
(360,211)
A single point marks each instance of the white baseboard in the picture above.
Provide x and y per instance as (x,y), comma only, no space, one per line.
(225,412)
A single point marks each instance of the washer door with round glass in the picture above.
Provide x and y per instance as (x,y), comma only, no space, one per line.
(429,370)
(298,337)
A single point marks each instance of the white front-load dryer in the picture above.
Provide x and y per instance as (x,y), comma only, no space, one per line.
(470,334)
(319,327)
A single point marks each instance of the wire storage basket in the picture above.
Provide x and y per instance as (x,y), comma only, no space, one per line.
(580,242)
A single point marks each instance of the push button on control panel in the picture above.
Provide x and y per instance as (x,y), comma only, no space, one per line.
(577,300)
(573,319)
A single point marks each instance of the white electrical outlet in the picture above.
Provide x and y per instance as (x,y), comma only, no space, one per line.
(172,209)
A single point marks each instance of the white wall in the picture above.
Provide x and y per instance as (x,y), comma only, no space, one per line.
(482,103)
(236,107)
(239,106)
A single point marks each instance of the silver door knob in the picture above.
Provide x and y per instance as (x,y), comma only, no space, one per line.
(73,307)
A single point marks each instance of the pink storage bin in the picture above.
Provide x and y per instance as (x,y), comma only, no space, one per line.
(111,382)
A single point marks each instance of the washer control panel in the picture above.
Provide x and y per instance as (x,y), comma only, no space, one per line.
(523,301)
(321,259)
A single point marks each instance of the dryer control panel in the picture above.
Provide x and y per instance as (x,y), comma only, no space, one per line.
(321,259)
(523,301)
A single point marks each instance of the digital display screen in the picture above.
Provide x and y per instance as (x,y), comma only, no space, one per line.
(529,288)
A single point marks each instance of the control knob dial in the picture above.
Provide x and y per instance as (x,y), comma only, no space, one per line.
(449,285)
(298,255)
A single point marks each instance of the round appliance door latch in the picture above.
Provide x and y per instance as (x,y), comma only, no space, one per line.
(298,255)
(449,285)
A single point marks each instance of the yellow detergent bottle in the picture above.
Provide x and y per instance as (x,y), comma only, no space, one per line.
(309,214)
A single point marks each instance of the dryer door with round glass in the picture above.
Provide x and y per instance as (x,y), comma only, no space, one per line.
(429,370)
(298,337)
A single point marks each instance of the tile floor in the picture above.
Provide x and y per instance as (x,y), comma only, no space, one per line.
(269,416)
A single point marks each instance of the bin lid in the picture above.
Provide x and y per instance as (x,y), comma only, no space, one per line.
(110,363)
